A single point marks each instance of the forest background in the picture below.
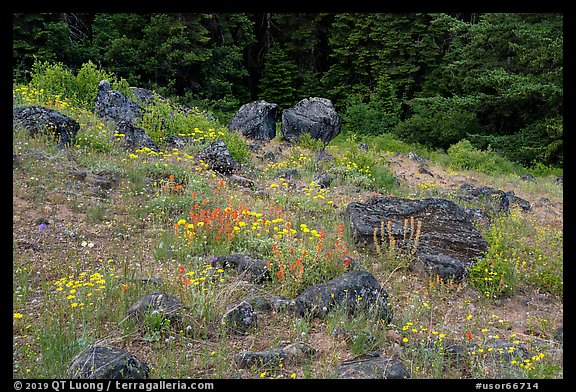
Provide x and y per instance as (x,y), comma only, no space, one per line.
(493,79)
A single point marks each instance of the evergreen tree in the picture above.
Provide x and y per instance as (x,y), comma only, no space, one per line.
(161,51)
(37,37)
(304,38)
(278,80)
(504,74)
(225,76)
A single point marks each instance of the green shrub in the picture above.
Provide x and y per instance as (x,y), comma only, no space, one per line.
(93,140)
(522,253)
(81,90)
(307,141)
(86,85)
(463,155)
(164,119)
(236,146)
(439,122)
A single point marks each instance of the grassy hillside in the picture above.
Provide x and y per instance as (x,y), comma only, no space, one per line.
(95,227)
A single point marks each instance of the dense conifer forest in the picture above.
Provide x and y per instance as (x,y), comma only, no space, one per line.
(494,79)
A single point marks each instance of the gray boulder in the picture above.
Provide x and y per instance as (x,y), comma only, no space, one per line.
(105,362)
(372,366)
(256,120)
(240,318)
(255,270)
(39,119)
(218,158)
(145,97)
(290,354)
(315,116)
(447,242)
(166,305)
(135,138)
(354,290)
(114,105)
(323,179)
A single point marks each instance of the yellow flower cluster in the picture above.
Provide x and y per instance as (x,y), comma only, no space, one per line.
(79,290)
(31,96)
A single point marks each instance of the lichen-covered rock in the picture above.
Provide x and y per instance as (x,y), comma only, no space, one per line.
(494,200)
(437,231)
(164,304)
(290,354)
(105,362)
(256,120)
(218,158)
(315,116)
(240,318)
(255,270)
(41,120)
(135,138)
(113,105)
(372,366)
(354,290)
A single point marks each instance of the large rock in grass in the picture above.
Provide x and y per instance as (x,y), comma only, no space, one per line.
(372,366)
(437,231)
(315,116)
(254,270)
(218,158)
(256,120)
(354,290)
(163,304)
(105,362)
(240,318)
(41,120)
(113,105)
(290,354)
(135,138)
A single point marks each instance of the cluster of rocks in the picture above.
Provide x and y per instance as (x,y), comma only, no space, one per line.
(256,120)
(447,244)
(355,290)
(437,232)
(314,116)
(113,105)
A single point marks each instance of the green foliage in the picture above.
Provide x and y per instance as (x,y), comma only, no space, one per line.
(36,37)
(510,66)
(155,325)
(432,78)
(237,147)
(307,141)
(493,277)
(512,262)
(225,72)
(93,140)
(80,89)
(463,155)
(368,46)
(86,85)
(363,119)
(152,49)
(164,119)
(439,122)
(278,79)
(379,115)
